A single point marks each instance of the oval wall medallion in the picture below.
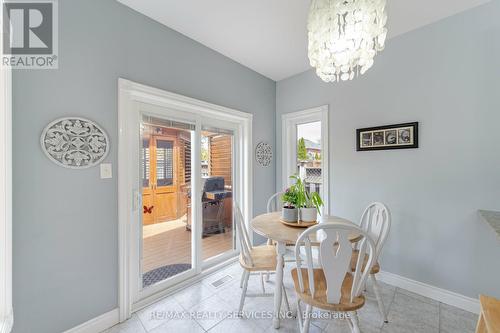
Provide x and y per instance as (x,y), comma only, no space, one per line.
(264,154)
(75,143)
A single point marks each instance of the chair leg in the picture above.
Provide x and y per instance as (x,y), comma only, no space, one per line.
(355,322)
(299,315)
(262,283)
(244,291)
(307,321)
(269,242)
(242,278)
(287,305)
(376,290)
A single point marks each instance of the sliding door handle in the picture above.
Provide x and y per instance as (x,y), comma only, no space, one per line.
(136,198)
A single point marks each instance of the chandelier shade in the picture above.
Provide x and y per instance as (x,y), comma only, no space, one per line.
(344,36)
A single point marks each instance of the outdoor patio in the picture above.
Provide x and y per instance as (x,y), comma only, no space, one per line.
(169,243)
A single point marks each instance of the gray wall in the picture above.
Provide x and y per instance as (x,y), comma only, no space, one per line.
(65,221)
(446,77)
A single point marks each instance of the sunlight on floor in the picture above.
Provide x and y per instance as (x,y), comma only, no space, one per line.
(158,228)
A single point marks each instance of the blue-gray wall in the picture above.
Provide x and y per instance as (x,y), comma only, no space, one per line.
(65,221)
(446,76)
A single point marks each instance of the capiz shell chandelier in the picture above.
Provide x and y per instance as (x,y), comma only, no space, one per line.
(345,36)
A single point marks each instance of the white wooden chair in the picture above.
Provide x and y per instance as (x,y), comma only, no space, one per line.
(275,203)
(254,260)
(333,287)
(376,221)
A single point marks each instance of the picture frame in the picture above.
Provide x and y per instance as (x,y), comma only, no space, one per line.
(397,136)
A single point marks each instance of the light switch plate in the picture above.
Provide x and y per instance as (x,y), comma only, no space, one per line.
(106,171)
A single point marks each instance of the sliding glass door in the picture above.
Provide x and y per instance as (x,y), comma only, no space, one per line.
(182,164)
(166,187)
(217,191)
(187,173)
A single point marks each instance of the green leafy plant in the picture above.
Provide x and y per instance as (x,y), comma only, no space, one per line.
(314,200)
(289,198)
(304,198)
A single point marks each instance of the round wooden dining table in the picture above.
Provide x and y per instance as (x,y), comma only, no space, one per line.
(270,226)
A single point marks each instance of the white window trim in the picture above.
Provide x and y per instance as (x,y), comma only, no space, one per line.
(129,93)
(6,312)
(289,123)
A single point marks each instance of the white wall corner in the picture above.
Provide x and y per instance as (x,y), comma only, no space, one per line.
(435,293)
(97,324)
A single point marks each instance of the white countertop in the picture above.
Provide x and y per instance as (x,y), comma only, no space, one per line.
(492,218)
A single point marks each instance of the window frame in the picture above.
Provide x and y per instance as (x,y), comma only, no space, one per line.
(289,122)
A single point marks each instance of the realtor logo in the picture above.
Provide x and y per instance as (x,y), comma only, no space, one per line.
(30,34)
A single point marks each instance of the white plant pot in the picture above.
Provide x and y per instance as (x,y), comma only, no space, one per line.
(308,214)
(289,214)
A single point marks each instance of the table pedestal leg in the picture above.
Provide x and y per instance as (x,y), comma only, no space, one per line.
(278,292)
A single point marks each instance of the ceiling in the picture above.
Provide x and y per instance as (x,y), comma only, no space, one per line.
(269,36)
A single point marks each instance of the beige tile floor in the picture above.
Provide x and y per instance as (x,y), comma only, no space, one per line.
(408,312)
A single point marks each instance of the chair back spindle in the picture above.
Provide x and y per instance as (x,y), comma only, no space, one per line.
(274,203)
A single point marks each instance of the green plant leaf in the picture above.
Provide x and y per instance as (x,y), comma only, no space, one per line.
(298,196)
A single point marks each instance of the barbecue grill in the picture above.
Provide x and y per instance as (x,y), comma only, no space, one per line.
(213,206)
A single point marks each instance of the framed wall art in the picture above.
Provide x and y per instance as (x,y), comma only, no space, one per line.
(398,136)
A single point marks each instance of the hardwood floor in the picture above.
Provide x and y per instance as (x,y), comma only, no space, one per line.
(171,244)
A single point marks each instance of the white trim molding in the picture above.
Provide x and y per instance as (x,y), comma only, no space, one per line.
(435,293)
(134,98)
(6,312)
(289,122)
(6,323)
(97,324)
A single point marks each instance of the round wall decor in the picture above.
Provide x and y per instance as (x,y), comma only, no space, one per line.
(264,154)
(75,143)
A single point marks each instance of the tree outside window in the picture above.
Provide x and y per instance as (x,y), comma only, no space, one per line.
(301,150)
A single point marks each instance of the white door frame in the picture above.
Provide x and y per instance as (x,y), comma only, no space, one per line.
(6,312)
(130,94)
(289,122)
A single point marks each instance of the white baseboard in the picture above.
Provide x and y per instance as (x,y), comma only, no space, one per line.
(97,324)
(435,293)
(6,323)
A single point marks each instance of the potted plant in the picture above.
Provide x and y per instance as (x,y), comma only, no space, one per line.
(289,212)
(309,203)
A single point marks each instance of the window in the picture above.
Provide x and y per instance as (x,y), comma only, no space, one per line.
(309,166)
(164,163)
(145,162)
(305,150)
(187,161)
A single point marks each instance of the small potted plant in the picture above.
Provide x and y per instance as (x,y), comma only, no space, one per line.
(309,203)
(289,212)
